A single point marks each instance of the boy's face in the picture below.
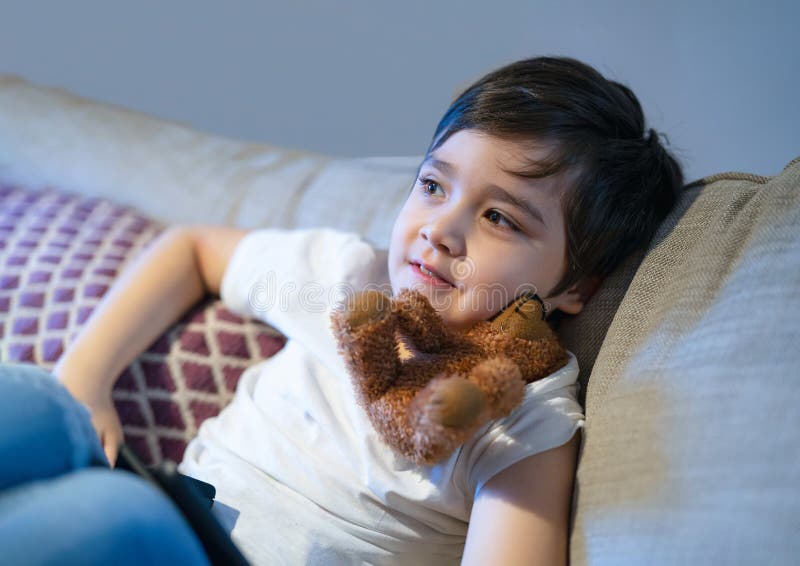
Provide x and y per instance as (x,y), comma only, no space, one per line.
(487,249)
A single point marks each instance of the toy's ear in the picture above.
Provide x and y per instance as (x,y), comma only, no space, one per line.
(573,299)
(524,317)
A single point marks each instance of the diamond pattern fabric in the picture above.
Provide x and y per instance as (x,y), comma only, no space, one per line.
(59,254)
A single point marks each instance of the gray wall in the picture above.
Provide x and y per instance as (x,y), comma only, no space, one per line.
(364,78)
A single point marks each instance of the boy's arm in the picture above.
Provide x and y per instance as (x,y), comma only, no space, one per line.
(521,515)
(213,249)
(173,273)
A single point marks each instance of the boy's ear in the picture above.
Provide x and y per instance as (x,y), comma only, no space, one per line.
(573,299)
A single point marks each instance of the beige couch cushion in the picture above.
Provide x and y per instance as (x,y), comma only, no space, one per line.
(175,174)
(691,452)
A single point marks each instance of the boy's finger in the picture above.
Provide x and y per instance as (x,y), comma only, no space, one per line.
(111,454)
(109,448)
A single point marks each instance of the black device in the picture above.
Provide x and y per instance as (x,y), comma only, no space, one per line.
(127,460)
(194,499)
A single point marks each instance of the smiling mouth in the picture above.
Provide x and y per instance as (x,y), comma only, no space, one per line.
(429,276)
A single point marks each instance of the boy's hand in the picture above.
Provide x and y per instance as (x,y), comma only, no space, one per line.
(105,419)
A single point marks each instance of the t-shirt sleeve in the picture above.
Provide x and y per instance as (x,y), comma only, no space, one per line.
(548,416)
(291,279)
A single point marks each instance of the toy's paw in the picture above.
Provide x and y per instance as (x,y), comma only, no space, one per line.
(420,322)
(412,299)
(452,402)
(412,307)
(365,306)
(500,381)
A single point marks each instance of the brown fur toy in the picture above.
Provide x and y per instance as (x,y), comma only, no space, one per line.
(426,388)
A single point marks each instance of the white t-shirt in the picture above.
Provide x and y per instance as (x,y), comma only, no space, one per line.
(301,475)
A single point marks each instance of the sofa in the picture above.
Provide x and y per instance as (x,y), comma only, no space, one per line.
(689,352)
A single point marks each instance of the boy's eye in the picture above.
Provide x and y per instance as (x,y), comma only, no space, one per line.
(426,185)
(494,214)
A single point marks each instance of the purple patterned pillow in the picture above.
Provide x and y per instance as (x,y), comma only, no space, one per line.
(58,256)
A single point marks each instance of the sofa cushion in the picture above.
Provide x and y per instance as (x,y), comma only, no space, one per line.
(583,334)
(690,453)
(59,254)
(176,174)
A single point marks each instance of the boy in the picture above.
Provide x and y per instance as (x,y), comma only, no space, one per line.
(540,174)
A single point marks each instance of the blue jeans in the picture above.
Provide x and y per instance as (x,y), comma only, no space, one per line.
(60,503)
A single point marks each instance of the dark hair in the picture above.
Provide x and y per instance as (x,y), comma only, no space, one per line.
(621,181)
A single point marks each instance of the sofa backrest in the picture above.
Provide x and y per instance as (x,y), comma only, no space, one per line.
(176,174)
(691,451)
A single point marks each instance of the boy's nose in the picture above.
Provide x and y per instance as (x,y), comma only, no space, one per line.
(443,234)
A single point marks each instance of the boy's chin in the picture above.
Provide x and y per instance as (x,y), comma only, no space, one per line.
(458,321)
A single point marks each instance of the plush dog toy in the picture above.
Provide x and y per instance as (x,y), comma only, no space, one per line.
(427,388)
